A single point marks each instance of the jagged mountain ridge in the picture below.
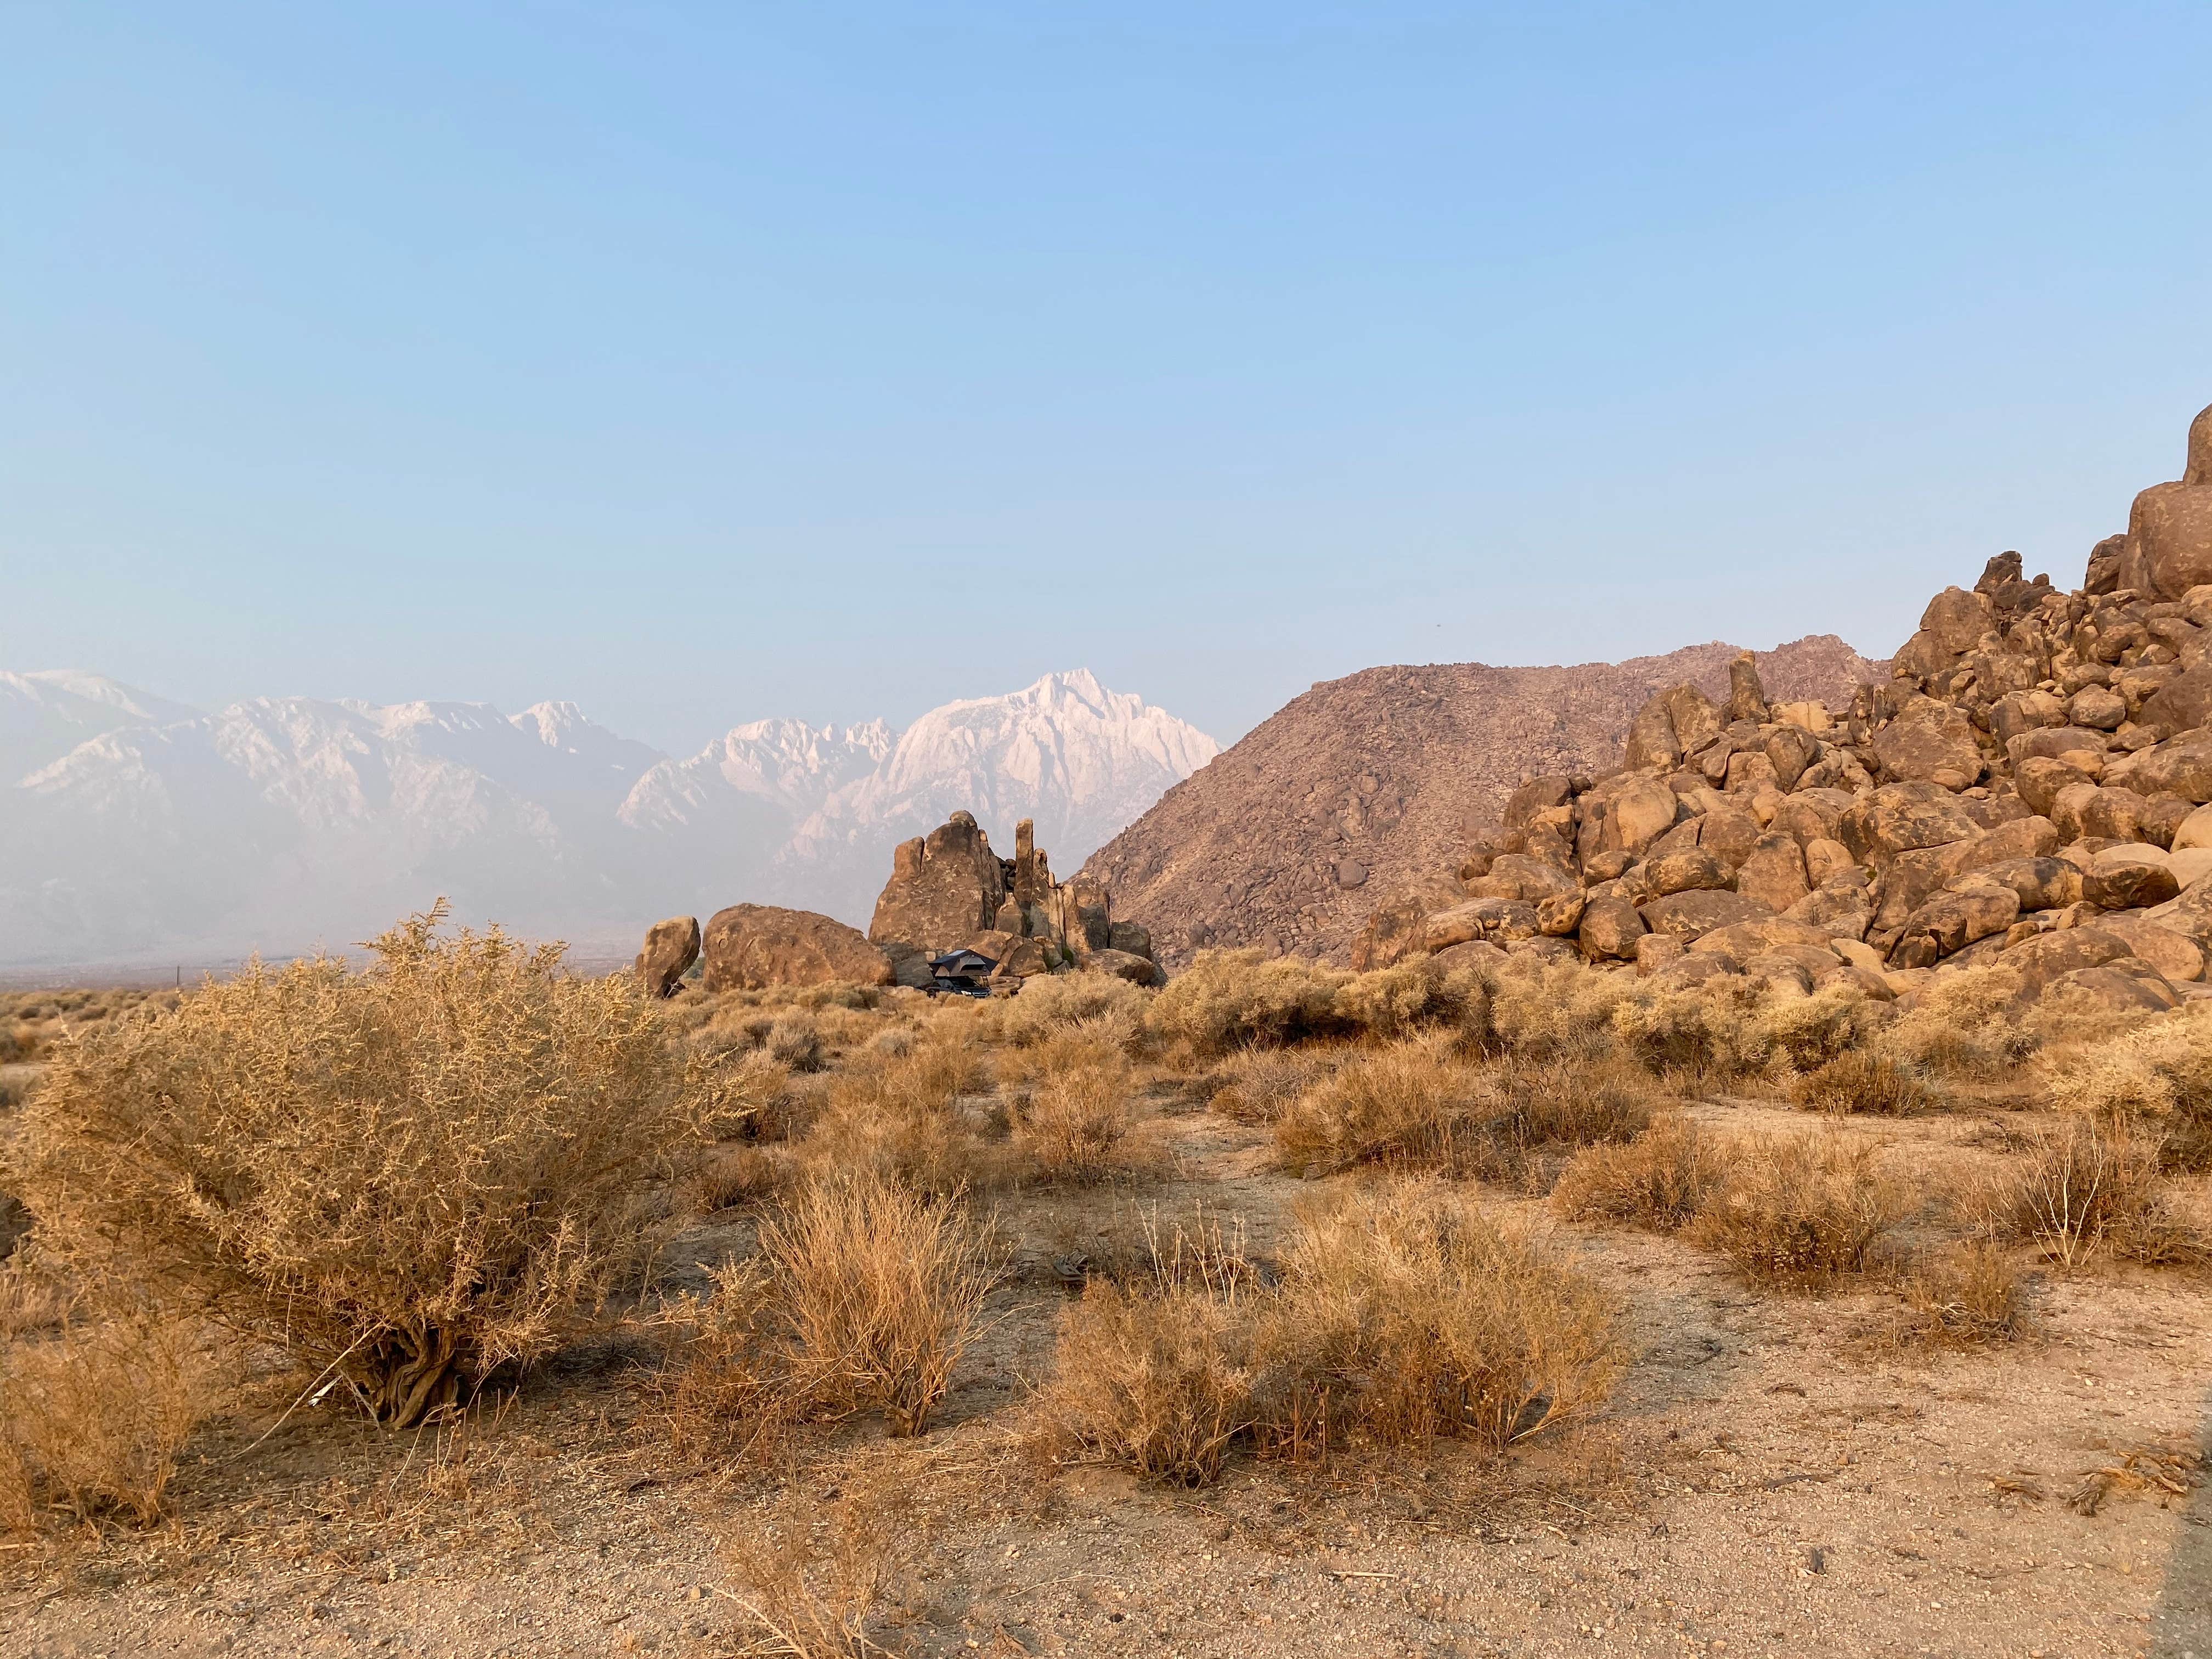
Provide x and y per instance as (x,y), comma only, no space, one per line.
(138,828)
(1368,781)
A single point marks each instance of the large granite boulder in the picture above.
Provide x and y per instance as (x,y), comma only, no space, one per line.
(752,946)
(670,948)
(945,887)
(2169,545)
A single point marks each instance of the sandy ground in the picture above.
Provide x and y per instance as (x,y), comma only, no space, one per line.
(1773,1477)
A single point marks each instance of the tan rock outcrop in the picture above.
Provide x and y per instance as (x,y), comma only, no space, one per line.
(749,947)
(944,886)
(670,948)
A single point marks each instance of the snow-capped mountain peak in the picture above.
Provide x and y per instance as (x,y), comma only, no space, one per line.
(140,827)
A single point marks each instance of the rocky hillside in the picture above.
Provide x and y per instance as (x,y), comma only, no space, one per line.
(1363,788)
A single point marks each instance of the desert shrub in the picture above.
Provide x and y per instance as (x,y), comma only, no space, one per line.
(1052,1004)
(2086,1187)
(1259,1084)
(1228,1000)
(93,1418)
(794,1042)
(408,1177)
(1405,1316)
(1787,1035)
(811,1590)
(1660,1180)
(1964,1023)
(1867,1080)
(902,1116)
(1698,1034)
(1408,1104)
(1073,1122)
(1395,1002)
(1539,1010)
(1401,1315)
(1800,1209)
(1157,1378)
(865,1295)
(1414,1104)
(2155,1078)
(1961,1293)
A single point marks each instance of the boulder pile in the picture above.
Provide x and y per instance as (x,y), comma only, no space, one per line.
(2030,785)
(947,891)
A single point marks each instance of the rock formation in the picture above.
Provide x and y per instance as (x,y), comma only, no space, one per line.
(670,948)
(2168,547)
(2029,785)
(948,890)
(945,887)
(749,946)
(1362,788)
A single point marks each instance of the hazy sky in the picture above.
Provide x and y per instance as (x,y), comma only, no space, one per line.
(702,362)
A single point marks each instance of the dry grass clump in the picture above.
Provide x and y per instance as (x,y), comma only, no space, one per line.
(1230,1000)
(1802,1209)
(1260,1084)
(914,1117)
(1052,1005)
(1396,1002)
(1964,1024)
(1402,1315)
(811,1575)
(407,1177)
(2086,1189)
(1415,1104)
(1660,1181)
(1869,1081)
(864,1298)
(91,1419)
(1962,1294)
(1540,1009)
(2155,1078)
(1071,1117)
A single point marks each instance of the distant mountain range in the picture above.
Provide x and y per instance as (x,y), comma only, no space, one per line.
(135,829)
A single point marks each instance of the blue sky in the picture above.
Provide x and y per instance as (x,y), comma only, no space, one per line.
(705,363)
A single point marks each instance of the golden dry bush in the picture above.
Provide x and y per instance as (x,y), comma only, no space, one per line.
(1660,1181)
(1395,1002)
(1405,1315)
(1962,1294)
(93,1417)
(1415,1105)
(1230,999)
(1071,1120)
(1410,1103)
(2154,1077)
(1258,1085)
(2085,1188)
(1541,1010)
(1802,1209)
(1867,1081)
(915,1116)
(1964,1024)
(809,1577)
(407,1177)
(1096,1004)
(1402,1315)
(877,1292)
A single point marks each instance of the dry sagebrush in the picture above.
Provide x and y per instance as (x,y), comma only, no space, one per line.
(408,1177)
(864,1298)
(92,1418)
(1402,1315)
